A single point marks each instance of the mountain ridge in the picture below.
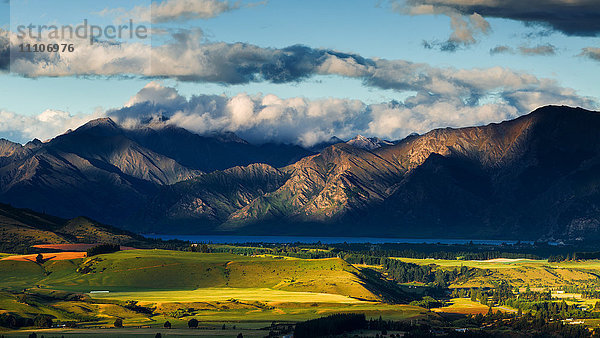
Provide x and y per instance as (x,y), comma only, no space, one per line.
(533,177)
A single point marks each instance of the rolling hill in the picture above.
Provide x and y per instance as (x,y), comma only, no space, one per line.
(22,228)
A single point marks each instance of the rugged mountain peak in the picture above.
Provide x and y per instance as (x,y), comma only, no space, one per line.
(533,176)
(559,110)
(8,148)
(11,151)
(368,143)
(103,122)
(33,144)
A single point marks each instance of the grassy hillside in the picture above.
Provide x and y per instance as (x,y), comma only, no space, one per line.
(148,287)
(22,228)
(139,270)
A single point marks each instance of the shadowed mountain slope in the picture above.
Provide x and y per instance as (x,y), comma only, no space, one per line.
(537,176)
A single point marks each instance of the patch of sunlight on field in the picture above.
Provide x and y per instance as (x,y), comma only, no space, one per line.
(463,306)
(566,295)
(468,307)
(489,264)
(224,294)
(591,264)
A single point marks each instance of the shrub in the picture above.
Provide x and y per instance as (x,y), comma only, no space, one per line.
(118,322)
(193,323)
(42,321)
(8,320)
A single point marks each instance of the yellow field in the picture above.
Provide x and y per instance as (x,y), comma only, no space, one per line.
(264,295)
(489,264)
(463,306)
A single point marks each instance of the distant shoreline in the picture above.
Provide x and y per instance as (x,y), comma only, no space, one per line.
(224,239)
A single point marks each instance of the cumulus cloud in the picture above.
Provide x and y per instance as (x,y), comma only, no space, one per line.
(175,10)
(47,124)
(257,118)
(298,120)
(591,52)
(187,59)
(464,32)
(571,17)
(465,27)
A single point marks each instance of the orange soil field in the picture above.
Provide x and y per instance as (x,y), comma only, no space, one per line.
(73,247)
(54,256)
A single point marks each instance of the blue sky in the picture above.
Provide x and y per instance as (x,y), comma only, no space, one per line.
(371,30)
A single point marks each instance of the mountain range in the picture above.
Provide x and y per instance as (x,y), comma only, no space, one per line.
(534,177)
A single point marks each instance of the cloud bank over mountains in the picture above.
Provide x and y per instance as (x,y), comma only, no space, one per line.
(297,120)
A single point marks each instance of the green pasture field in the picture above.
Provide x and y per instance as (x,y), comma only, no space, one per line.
(247,291)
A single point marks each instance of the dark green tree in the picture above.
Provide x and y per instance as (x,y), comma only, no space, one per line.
(193,323)
(42,321)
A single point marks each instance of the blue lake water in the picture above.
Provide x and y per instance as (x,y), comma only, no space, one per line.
(218,239)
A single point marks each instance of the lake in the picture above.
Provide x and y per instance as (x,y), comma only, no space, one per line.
(223,239)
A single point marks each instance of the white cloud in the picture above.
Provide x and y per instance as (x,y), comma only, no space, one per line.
(572,17)
(187,59)
(47,124)
(175,10)
(591,52)
(268,118)
(155,93)
(298,120)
